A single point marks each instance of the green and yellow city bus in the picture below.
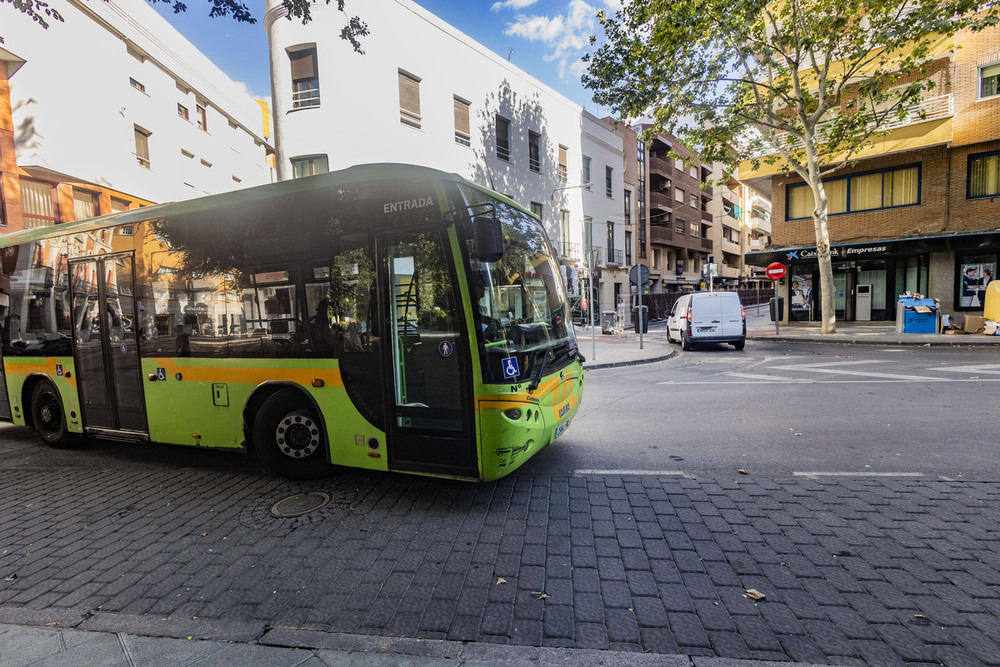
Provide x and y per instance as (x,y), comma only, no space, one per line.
(388,317)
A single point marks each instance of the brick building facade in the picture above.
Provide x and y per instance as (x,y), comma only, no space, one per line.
(936,229)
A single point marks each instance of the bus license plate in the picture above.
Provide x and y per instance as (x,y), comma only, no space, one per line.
(706,329)
(559,429)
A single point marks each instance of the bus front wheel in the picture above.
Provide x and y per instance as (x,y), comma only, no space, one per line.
(48,417)
(289,438)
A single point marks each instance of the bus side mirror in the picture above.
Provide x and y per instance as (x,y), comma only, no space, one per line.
(489,238)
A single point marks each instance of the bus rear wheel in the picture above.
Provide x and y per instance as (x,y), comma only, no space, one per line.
(288,436)
(48,417)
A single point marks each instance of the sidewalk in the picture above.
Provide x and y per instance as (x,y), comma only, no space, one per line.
(622,349)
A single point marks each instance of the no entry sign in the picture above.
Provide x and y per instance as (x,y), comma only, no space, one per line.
(775,271)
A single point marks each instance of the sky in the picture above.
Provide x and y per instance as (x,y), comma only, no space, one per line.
(545,38)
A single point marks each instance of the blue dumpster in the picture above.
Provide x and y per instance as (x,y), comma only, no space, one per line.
(917,315)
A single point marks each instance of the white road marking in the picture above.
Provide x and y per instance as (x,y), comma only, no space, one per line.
(615,473)
(974,370)
(858,474)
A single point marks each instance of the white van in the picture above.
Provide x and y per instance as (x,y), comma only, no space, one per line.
(708,317)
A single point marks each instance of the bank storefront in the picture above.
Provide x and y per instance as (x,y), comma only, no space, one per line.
(868,278)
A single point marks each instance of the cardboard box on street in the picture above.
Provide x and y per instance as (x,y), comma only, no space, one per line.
(974,324)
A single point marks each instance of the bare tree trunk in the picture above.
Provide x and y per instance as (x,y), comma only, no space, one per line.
(828,311)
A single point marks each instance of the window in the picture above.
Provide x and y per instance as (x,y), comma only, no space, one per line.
(534,156)
(84,204)
(409,99)
(628,248)
(694,172)
(679,195)
(695,229)
(206,163)
(183,112)
(142,146)
(38,203)
(463,132)
(628,207)
(305,78)
(609,189)
(309,166)
(869,191)
(135,84)
(611,240)
(503,138)
(693,201)
(202,117)
(679,163)
(563,168)
(536,210)
(989,81)
(984,175)
(586,170)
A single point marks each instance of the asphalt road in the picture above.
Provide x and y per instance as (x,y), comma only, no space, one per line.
(779,409)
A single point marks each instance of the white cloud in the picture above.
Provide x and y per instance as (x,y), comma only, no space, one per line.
(512,4)
(566,34)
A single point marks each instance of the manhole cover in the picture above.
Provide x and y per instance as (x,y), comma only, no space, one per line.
(299,504)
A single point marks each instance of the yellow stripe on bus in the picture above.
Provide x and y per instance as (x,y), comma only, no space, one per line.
(43,365)
(250,375)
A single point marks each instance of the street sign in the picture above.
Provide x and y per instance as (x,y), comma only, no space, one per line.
(638,274)
(775,271)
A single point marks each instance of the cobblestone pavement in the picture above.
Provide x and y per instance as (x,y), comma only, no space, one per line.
(851,571)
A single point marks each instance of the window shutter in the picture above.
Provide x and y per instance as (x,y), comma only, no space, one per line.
(303,64)
(409,99)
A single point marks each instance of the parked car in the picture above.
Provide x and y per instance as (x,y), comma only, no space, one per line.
(708,317)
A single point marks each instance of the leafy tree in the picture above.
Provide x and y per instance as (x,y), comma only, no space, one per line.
(41,12)
(804,85)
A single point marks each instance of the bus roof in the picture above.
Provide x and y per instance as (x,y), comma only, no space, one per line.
(298,186)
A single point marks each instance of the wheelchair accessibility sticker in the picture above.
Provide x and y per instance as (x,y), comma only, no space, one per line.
(510,368)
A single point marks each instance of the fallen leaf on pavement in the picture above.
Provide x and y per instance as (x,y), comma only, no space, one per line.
(743,472)
(753,594)
(501,580)
(538,595)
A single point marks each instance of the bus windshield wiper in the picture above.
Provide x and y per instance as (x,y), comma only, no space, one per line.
(541,370)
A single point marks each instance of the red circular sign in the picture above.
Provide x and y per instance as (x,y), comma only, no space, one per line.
(775,271)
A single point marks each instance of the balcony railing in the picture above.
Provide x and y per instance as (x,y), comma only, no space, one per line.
(660,235)
(616,258)
(660,200)
(570,251)
(927,109)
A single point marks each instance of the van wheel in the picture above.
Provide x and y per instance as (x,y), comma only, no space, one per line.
(685,342)
(740,344)
(48,417)
(289,439)
(670,339)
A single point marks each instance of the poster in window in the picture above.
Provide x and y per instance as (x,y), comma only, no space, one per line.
(801,298)
(976,276)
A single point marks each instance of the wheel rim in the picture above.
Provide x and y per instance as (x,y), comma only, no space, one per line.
(297,435)
(49,417)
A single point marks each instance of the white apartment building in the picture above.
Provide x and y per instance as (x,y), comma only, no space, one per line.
(115,97)
(424,93)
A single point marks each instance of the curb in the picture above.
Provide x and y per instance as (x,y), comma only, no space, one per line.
(633,362)
(873,341)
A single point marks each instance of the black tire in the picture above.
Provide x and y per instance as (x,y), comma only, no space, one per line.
(740,344)
(49,418)
(669,337)
(288,436)
(685,342)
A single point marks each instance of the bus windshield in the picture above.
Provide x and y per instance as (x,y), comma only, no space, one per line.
(519,302)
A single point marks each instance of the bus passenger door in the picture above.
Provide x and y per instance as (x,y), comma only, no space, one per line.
(106,344)
(430,424)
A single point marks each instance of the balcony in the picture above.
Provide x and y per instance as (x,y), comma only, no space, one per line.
(660,235)
(660,200)
(660,166)
(570,252)
(616,258)
(731,247)
(762,224)
(706,244)
(928,109)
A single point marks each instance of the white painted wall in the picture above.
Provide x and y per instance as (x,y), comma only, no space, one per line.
(74,109)
(358,119)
